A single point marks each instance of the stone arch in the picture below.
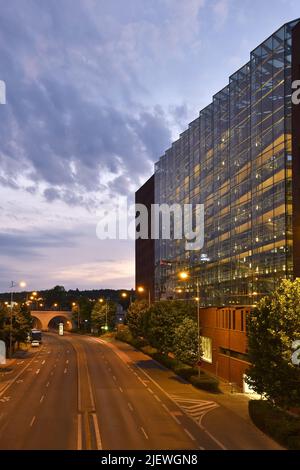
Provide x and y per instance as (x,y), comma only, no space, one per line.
(56,319)
(37,323)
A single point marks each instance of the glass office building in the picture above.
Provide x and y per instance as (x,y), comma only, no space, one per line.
(236,158)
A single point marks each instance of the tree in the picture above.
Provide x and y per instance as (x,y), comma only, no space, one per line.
(272,328)
(100,312)
(135,316)
(186,341)
(163,318)
(21,324)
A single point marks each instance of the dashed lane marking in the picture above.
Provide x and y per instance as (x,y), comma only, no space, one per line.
(189,434)
(130,406)
(144,432)
(32,421)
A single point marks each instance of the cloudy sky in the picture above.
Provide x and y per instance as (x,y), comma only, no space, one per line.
(96,91)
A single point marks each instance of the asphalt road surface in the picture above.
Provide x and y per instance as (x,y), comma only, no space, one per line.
(78,392)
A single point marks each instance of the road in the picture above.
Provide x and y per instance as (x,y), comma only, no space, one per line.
(78,392)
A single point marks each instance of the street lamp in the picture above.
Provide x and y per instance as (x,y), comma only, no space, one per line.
(74,304)
(141,290)
(106,313)
(12,285)
(184,275)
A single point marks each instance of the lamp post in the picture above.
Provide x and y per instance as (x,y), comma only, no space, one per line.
(12,285)
(141,290)
(183,275)
(74,304)
(106,312)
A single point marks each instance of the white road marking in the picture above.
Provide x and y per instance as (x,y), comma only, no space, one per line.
(67,361)
(150,390)
(37,371)
(97,432)
(47,385)
(4,399)
(65,371)
(157,398)
(19,381)
(42,398)
(130,406)
(79,432)
(189,434)
(144,432)
(32,421)
(43,361)
(20,362)
(121,389)
(114,377)
(172,399)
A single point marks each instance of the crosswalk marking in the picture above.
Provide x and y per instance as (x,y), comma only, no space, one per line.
(195,408)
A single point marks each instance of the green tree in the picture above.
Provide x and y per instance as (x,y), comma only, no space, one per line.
(135,317)
(21,324)
(100,312)
(272,328)
(186,341)
(162,320)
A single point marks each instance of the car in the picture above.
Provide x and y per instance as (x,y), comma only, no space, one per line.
(35,344)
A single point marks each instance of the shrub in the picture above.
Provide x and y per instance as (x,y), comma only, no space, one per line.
(184,371)
(205,382)
(149,350)
(277,423)
(124,334)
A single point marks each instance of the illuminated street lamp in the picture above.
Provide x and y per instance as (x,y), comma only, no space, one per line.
(106,313)
(12,285)
(184,275)
(74,304)
(142,290)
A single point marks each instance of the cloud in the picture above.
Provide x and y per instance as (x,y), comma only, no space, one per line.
(221,12)
(28,244)
(73,113)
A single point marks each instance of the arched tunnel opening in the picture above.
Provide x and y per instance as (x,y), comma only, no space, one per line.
(37,324)
(55,321)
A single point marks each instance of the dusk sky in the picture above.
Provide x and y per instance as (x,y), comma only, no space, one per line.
(96,91)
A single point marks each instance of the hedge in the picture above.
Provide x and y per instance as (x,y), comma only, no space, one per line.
(277,423)
(189,373)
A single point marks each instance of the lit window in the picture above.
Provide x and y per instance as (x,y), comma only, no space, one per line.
(206,349)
